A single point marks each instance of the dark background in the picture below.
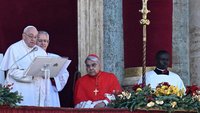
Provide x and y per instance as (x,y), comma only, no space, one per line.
(159,32)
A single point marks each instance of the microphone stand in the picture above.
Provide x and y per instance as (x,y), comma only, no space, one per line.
(34,49)
(47,77)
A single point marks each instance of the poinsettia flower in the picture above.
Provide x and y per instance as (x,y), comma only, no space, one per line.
(150,98)
(191,90)
(165,96)
(9,86)
(136,86)
(163,84)
(166,84)
(8,97)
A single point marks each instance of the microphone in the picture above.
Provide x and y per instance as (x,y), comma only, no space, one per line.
(34,49)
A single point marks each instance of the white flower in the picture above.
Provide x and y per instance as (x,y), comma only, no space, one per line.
(150,104)
(173,104)
(159,102)
(198,92)
(120,96)
(110,96)
(126,94)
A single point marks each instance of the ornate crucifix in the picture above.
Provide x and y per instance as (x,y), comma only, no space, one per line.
(144,21)
(96,91)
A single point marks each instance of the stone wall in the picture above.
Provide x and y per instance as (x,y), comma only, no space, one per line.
(113,38)
(180,40)
(90,31)
(195,41)
(100,31)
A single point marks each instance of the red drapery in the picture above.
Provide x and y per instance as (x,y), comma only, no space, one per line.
(71,110)
(159,32)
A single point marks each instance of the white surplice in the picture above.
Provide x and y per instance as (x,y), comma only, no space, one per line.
(60,81)
(154,79)
(16,60)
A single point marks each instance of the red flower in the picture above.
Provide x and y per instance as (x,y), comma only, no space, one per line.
(163,84)
(9,86)
(135,86)
(166,84)
(150,98)
(191,90)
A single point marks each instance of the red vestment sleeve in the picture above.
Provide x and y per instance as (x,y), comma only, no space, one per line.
(115,85)
(77,93)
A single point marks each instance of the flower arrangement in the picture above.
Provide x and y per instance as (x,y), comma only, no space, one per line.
(7,97)
(164,97)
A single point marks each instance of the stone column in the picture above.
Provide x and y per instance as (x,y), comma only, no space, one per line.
(113,38)
(100,31)
(90,30)
(195,41)
(180,39)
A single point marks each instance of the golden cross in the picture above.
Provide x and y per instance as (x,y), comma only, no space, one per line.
(96,91)
(144,21)
(144,12)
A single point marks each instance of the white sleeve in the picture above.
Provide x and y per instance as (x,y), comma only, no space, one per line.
(181,85)
(99,101)
(90,104)
(62,77)
(110,96)
(18,75)
(85,104)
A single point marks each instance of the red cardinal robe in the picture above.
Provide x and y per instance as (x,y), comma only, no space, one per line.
(94,87)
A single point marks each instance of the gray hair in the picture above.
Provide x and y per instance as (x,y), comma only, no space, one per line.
(26,29)
(92,58)
(43,32)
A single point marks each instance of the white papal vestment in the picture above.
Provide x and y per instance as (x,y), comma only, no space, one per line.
(15,63)
(60,81)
